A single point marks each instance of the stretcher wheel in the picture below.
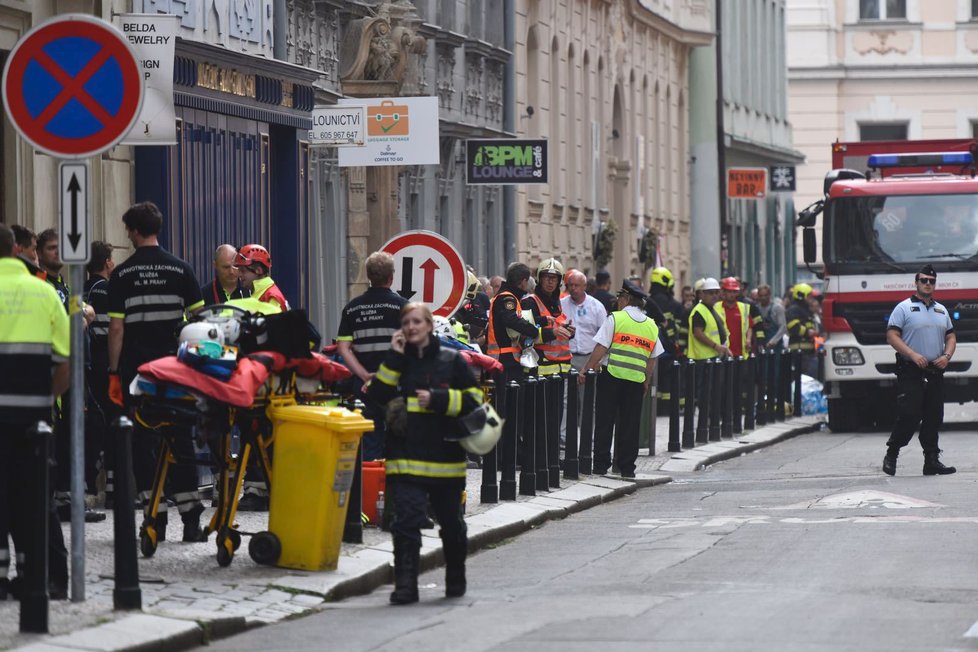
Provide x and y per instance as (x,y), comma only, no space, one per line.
(265,548)
(147,541)
(235,537)
(225,552)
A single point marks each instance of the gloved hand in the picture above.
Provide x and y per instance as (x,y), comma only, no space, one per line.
(115,390)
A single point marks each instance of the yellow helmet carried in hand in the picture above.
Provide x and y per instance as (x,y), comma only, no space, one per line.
(550,266)
(484,427)
(473,287)
(801,291)
(661,276)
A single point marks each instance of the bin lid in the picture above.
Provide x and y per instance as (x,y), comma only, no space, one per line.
(337,419)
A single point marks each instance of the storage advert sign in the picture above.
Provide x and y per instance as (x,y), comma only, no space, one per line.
(505,161)
(400,131)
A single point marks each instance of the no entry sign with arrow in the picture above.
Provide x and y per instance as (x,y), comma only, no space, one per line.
(428,268)
(75,241)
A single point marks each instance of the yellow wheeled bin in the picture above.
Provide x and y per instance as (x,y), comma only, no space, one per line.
(315,456)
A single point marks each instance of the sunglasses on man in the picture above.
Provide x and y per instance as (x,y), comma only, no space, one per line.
(926,280)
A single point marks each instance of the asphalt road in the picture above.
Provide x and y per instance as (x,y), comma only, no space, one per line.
(802,546)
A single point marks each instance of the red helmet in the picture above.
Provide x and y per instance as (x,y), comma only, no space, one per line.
(730,283)
(248,255)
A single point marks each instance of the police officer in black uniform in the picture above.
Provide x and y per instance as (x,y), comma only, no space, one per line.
(98,405)
(922,334)
(149,295)
(366,327)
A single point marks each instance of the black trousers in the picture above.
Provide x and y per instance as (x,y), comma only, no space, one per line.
(920,402)
(411,498)
(618,415)
(17,464)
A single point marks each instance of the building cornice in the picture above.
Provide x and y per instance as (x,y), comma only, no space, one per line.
(690,37)
(766,150)
(909,72)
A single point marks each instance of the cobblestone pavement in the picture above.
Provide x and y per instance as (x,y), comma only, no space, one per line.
(184,581)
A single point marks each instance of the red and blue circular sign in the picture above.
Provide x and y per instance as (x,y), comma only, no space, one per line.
(72,86)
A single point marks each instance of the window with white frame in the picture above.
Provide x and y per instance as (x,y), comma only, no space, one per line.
(883,9)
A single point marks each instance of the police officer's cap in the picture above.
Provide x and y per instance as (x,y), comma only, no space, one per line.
(628,287)
(927,270)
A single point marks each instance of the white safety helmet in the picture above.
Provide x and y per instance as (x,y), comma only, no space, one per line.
(550,266)
(710,283)
(443,327)
(485,427)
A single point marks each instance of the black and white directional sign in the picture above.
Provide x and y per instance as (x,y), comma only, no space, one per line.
(75,233)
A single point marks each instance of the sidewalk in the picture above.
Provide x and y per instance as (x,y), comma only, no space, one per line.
(188,599)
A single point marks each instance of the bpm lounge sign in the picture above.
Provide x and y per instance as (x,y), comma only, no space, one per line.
(505,161)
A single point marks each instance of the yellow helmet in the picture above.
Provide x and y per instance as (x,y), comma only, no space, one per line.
(473,287)
(801,291)
(698,285)
(550,266)
(661,276)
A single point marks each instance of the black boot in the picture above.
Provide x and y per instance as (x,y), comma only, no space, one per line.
(890,460)
(454,566)
(933,465)
(192,532)
(407,558)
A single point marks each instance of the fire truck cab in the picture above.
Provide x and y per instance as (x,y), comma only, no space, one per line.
(880,226)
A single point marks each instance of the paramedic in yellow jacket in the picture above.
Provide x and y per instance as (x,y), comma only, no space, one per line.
(630,339)
(707,331)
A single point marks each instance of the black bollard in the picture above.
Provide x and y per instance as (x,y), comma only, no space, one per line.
(353,528)
(796,367)
(126,593)
(528,405)
(584,457)
(571,468)
(543,469)
(507,451)
(34,585)
(716,399)
(748,377)
(736,378)
(726,398)
(653,411)
(704,399)
(675,383)
(555,405)
(489,491)
(689,404)
(784,389)
(760,377)
(773,382)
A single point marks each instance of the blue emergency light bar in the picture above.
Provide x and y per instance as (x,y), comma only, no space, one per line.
(928,159)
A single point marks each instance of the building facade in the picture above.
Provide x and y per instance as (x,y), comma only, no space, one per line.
(606,82)
(750,238)
(895,70)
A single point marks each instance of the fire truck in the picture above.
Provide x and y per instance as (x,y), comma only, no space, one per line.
(888,209)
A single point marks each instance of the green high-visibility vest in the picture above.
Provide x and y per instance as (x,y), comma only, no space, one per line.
(696,350)
(631,346)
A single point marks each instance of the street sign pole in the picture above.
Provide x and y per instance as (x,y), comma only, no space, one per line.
(75,249)
(72,87)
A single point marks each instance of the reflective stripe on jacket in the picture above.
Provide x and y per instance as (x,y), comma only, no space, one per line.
(493,347)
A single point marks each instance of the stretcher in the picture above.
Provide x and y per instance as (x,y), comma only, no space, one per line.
(176,400)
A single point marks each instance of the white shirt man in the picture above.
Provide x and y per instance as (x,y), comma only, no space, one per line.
(587,315)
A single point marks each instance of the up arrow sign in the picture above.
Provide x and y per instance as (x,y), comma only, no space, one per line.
(75,232)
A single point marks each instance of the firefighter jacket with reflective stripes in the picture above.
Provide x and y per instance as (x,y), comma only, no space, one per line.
(631,346)
(507,327)
(33,337)
(801,326)
(555,354)
(696,350)
(420,448)
(673,328)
